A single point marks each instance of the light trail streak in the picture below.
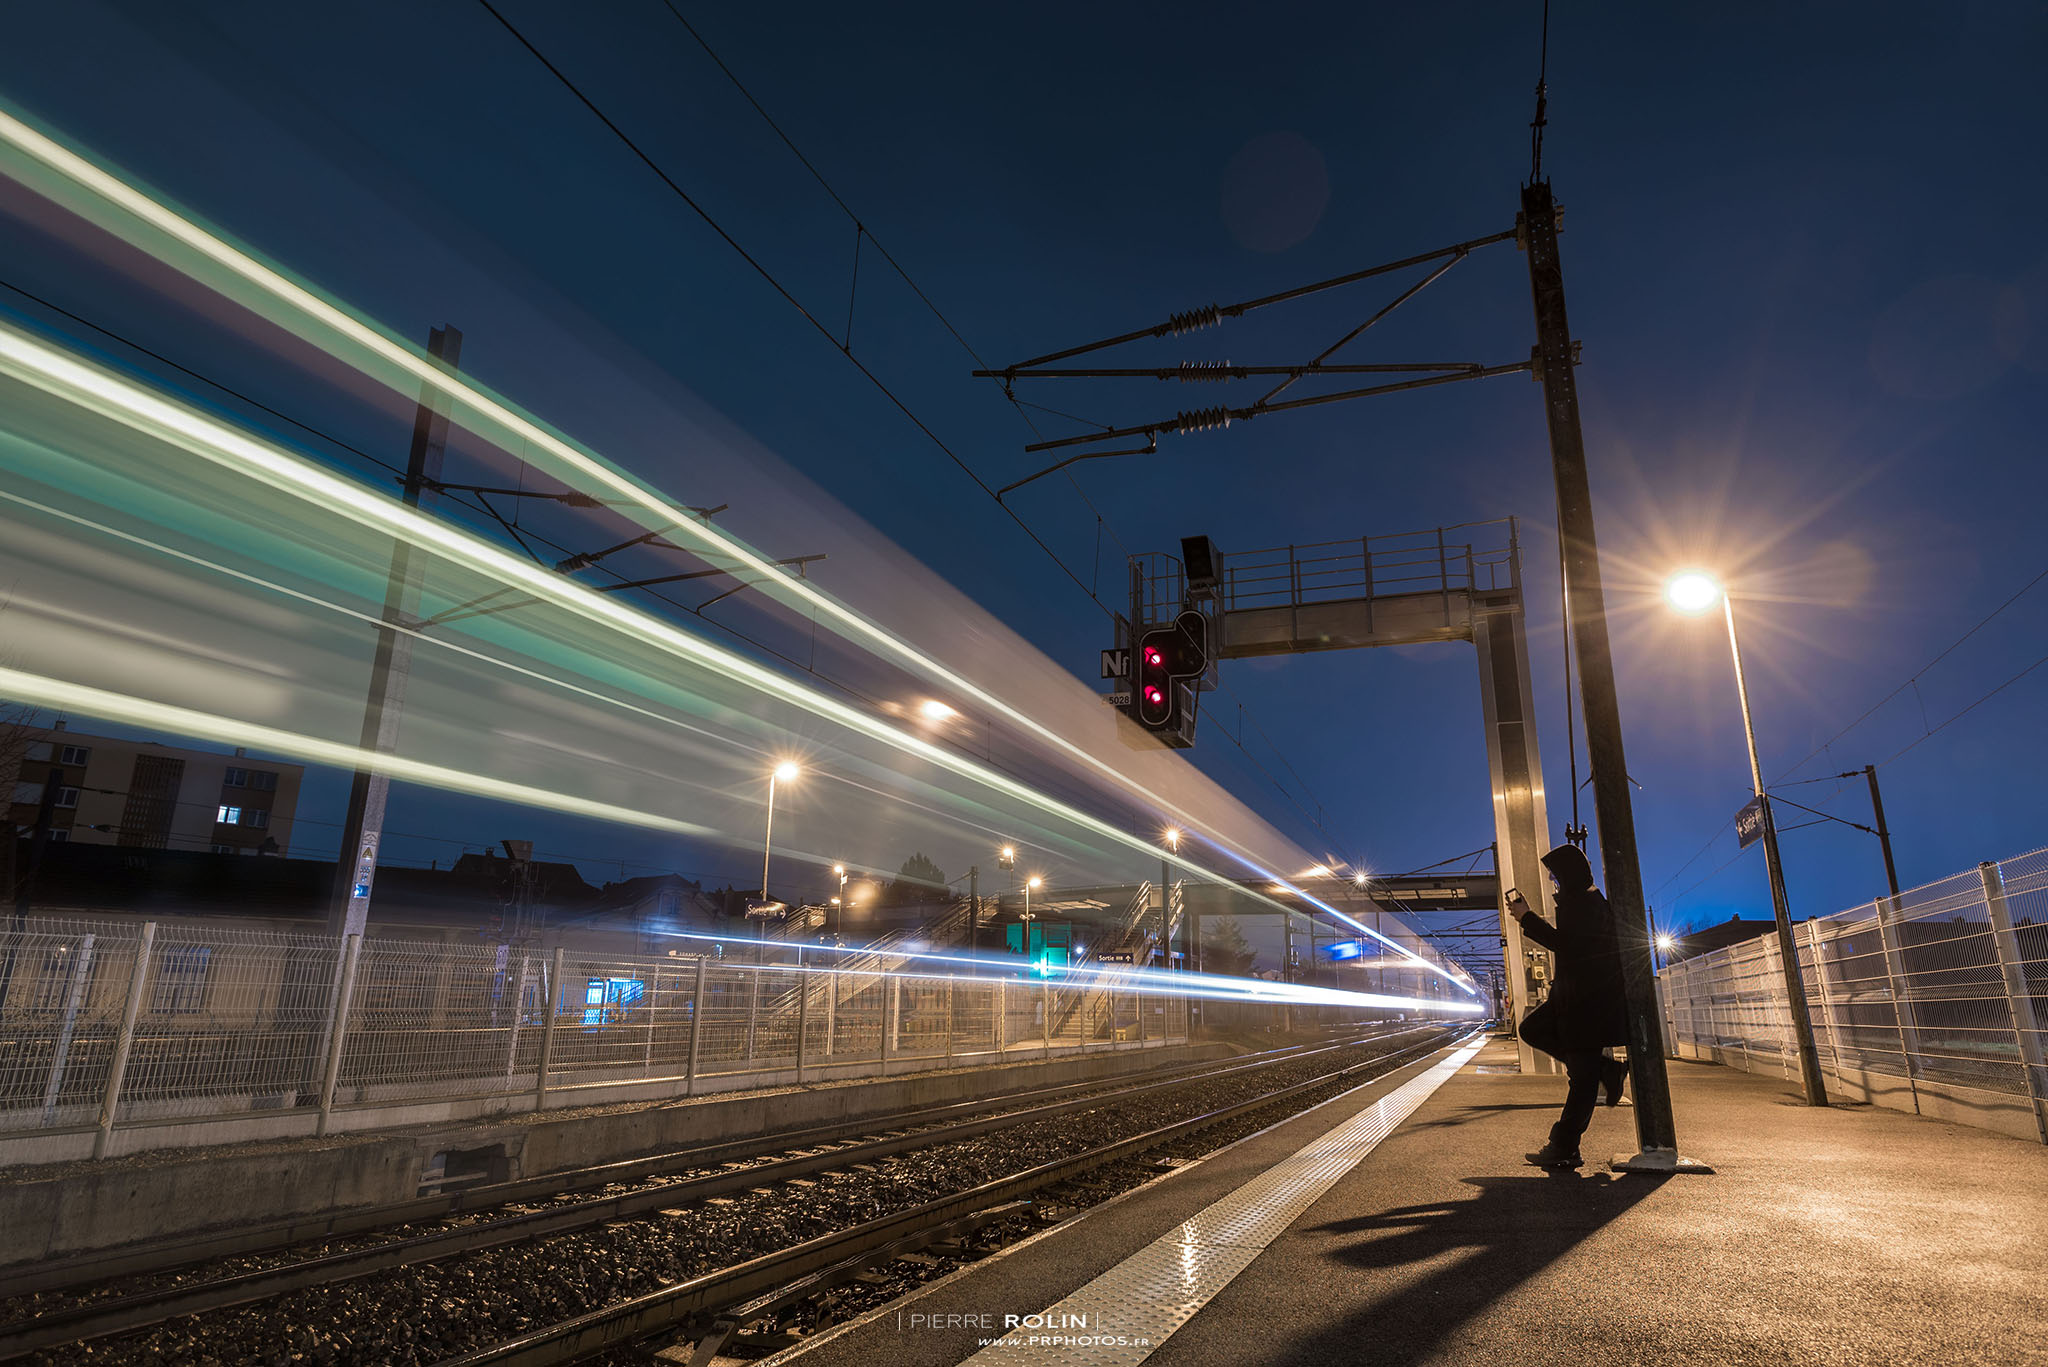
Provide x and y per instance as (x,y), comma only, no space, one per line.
(1149,981)
(158,716)
(119,400)
(105,190)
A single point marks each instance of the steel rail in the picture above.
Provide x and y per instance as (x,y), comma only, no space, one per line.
(85,1269)
(127,1314)
(651,1313)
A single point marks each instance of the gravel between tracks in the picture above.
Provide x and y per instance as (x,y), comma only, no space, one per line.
(425,1313)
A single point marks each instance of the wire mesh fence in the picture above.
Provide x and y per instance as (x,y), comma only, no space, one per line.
(1943,989)
(112,1025)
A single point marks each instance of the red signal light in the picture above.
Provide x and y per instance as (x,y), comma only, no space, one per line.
(1153,695)
(1152,655)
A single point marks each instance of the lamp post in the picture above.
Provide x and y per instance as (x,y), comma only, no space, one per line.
(1694,593)
(839,903)
(1166,900)
(782,773)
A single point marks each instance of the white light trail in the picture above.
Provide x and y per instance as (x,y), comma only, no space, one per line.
(1150,981)
(522,432)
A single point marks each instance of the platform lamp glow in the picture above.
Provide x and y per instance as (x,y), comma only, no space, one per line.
(1694,593)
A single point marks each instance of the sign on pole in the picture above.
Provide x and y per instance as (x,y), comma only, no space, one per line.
(1116,664)
(1749,823)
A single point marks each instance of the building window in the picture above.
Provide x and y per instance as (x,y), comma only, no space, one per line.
(58,837)
(224,849)
(262,780)
(228,816)
(181,979)
(258,817)
(67,797)
(27,792)
(74,754)
(39,751)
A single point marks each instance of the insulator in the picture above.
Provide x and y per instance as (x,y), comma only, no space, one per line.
(1206,317)
(1202,419)
(1204,372)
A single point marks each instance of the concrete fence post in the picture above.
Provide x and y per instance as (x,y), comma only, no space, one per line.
(2019,999)
(952,1020)
(547,1032)
(892,1021)
(753,1015)
(74,997)
(696,1026)
(124,1043)
(1903,1016)
(518,1016)
(803,1021)
(337,1030)
(1045,1000)
(1002,1018)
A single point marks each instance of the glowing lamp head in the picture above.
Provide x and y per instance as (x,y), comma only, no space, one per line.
(1034,882)
(786,771)
(1692,592)
(1009,851)
(839,869)
(1173,837)
(931,709)
(1665,942)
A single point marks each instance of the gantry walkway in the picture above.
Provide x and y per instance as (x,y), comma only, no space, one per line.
(1399,1224)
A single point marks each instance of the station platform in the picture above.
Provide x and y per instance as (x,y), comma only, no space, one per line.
(1398,1223)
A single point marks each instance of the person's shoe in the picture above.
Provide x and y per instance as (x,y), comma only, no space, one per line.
(1612,1076)
(1550,1156)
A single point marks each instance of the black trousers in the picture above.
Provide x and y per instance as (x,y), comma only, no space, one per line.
(1582,1069)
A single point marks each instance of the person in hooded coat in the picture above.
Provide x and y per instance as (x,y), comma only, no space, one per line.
(1587,1011)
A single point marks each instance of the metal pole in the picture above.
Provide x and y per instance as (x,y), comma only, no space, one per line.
(74,996)
(1795,985)
(1045,1000)
(124,1043)
(363,825)
(2019,999)
(1656,1128)
(518,1015)
(1002,1017)
(1827,1005)
(974,909)
(337,1030)
(1884,833)
(547,1031)
(767,841)
(696,1024)
(1895,980)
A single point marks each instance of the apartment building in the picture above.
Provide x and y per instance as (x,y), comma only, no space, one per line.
(156,796)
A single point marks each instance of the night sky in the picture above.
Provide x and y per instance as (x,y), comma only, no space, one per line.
(1801,245)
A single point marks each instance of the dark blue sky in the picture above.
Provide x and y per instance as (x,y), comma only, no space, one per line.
(1801,245)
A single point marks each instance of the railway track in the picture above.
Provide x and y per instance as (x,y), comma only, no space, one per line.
(629,1189)
(765,1286)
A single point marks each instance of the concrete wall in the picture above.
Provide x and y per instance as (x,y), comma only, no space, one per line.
(87,1206)
(2004,1113)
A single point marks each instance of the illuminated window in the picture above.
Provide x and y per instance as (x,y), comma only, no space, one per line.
(228,816)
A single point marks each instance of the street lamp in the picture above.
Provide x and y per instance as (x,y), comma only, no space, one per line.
(839,902)
(1172,838)
(1694,593)
(1034,881)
